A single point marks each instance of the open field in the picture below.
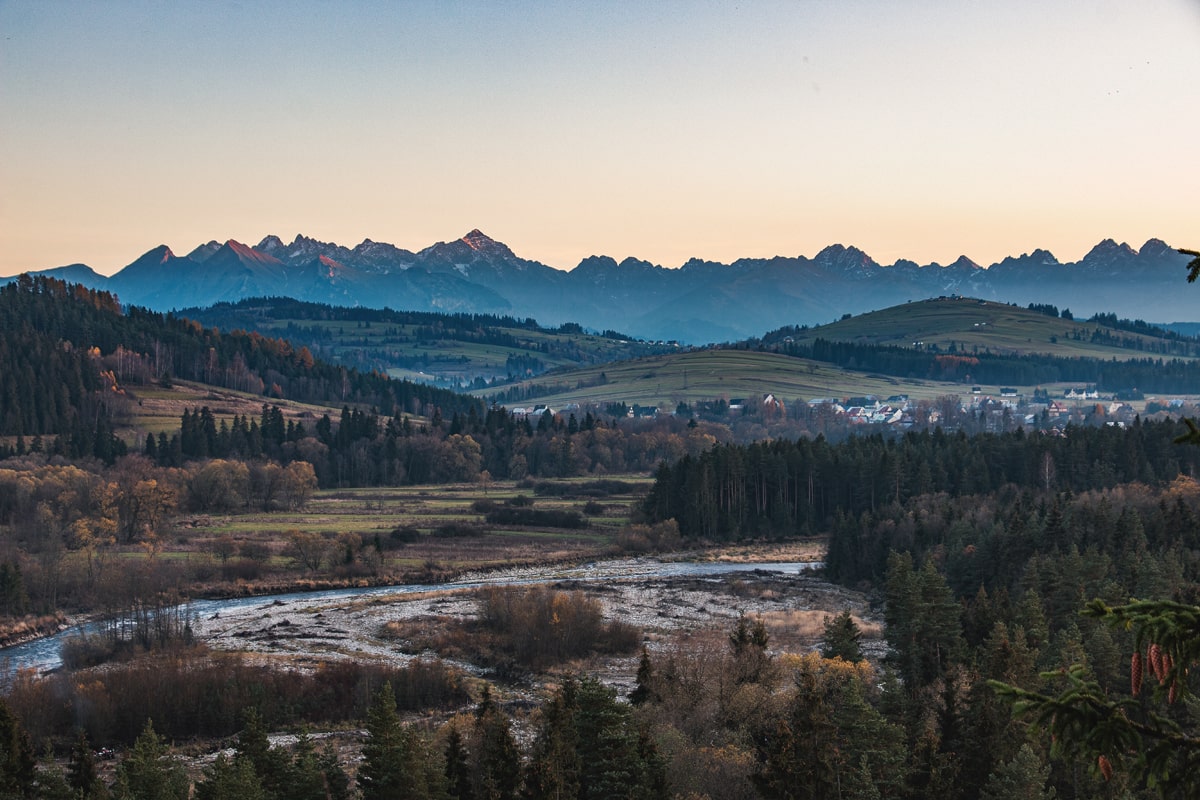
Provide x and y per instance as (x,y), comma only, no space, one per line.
(386,535)
(666,380)
(158,409)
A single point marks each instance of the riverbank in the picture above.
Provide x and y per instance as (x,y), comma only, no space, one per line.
(31,627)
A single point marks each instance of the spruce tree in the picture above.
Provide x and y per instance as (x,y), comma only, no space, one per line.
(841,638)
(147,773)
(230,779)
(81,768)
(458,769)
(18,764)
(392,766)
(498,759)
(1022,778)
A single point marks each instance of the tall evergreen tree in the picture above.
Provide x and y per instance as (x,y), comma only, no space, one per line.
(841,638)
(18,764)
(392,766)
(147,773)
(230,779)
(498,760)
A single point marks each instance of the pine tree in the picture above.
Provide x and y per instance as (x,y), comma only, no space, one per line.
(498,759)
(147,773)
(81,768)
(841,638)
(611,764)
(18,764)
(554,769)
(392,766)
(1022,778)
(270,763)
(230,779)
(643,692)
(458,769)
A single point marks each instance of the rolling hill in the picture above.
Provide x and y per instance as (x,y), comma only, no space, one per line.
(924,350)
(968,325)
(447,350)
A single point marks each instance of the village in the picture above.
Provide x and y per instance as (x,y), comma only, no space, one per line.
(978,411)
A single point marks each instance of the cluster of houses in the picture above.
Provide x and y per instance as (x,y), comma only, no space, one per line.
(1006,411)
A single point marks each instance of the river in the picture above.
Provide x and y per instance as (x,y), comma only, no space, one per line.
(43,654)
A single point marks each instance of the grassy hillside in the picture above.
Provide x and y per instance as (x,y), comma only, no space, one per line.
(157,409)
(711,374)
(983,326)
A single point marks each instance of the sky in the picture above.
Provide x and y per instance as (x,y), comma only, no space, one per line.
(915,129)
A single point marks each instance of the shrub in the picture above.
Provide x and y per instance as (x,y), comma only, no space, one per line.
(457,530)
(538,626)
(604,487)
(402,535)
(662,537)
(483,506)
(255,551)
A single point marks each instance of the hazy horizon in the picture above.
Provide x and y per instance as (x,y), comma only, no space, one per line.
(922,130)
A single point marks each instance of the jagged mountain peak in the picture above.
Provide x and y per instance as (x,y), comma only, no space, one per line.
(301,240)
(592,263)
(631,263)
(246,253)
(162,254)
(270,244)
(203,252)
(846,258)
(152,260)
(480,242)
(1038,258)
(478,239)
(1156,248)
(962,262)
(1109,249)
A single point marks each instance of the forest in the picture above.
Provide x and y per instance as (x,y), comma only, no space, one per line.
(56,336)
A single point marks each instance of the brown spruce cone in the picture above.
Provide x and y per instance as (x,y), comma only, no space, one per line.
(1154,656)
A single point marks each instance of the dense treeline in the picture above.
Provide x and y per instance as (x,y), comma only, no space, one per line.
(781,488)
(1172,375)
(86,348)
(236,315)
(365,449)
(1145,328)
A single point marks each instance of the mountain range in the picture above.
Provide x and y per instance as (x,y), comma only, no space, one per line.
(701,301)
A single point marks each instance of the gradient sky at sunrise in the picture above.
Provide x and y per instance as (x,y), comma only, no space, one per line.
(661,130)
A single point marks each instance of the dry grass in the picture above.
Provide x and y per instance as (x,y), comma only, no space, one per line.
(158,410)
(797,629)
(797,550)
